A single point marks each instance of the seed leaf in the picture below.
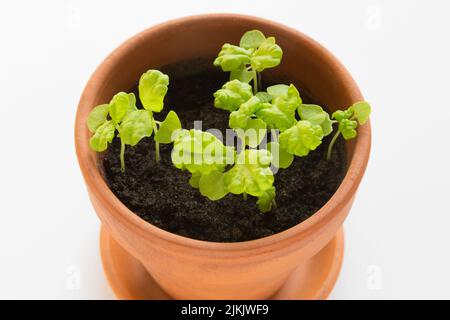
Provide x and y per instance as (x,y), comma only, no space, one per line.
(268,55)
(167,128)
(198,151)
(243,75)
(232,57)
(120,104)
(250,174)
(301,138)
(232,95)
(361,111)
(153,87)
(266,199)
(253,133)
(252,39)
(135,126)
(102,136)
(239,118)
(97,117)
(212,185)
(316,115)
(281,158)
(348,128)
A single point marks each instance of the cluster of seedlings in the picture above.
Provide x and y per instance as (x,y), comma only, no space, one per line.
(217,169)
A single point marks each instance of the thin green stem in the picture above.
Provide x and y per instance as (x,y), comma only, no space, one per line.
(245,196)
(155,130)
(330,147)
(255,83)
(122,155)
(274,204)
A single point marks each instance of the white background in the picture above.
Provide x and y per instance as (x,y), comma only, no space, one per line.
(398,233)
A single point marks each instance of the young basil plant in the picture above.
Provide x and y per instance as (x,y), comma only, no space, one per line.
(254,54)
(348,120)
(132,124)
(206,158)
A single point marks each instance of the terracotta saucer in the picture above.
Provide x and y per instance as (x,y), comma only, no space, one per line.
(130,280)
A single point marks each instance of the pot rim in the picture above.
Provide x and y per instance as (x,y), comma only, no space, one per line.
(97,185)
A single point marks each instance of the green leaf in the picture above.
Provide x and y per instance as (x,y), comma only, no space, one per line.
(240,117)
(348,128)
(263,96)
(153,87)
(266,200)
(119,106)
(361,111)
(280,114)
(284,95)
(252,39)
(102,136)
(167,127)
(281,158)
(268,55)
(275,117)
(301,138)
(195,179)
(97,117)
(135,126)
(250,174)
(316,115)
(253,133)
(212,185)
(339,115)
(232,95)
(232,57)
(199,151)
(243,75)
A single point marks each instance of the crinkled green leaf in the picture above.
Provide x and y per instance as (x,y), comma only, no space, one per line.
(281,158)
(348,128)
(280,114)
(339,115)
(102,136)
(232,57)
(253,133)
(243,75)
(252,39)
(268,55)
(232,95)
(301,138)
(167,127)
(135,126)
(361,111)
(212,185)
(199,151)
(266,200)
(285,95)
(153,87)
(250,174)
(97,117)
(263,96)
(275,117)
(120,104)
(240,117)
(316,115)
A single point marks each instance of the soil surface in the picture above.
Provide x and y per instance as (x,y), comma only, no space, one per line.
(160,194)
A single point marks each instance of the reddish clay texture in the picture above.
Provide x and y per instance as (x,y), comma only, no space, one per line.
(191,269)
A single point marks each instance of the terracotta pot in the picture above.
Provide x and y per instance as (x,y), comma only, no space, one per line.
(192,269)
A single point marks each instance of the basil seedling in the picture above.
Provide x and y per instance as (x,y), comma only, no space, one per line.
(132,124)
(348,121)
(254,54)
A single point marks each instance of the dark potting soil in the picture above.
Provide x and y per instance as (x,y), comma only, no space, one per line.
(160,194)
